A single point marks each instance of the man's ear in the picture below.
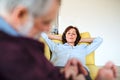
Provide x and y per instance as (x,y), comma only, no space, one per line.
(20,15)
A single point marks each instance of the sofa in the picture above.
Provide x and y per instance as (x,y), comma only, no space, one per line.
(90,59)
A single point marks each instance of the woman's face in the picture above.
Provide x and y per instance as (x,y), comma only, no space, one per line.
(71,36)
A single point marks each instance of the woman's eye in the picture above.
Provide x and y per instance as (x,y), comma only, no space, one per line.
(73,34)
(68,33)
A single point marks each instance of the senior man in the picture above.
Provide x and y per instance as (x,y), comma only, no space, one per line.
(21,56)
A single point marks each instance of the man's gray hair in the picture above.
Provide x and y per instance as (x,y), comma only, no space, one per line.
(36,7)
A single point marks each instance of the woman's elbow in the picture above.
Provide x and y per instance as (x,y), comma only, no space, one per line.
(99,39)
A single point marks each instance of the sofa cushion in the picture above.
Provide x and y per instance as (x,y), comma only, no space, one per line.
(90,59)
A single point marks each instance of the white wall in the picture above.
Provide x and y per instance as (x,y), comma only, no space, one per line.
(100,18)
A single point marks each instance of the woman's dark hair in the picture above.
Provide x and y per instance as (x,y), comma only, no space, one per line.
(59,1)
(77,32)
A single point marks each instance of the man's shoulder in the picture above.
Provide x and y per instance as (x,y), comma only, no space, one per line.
(10,43)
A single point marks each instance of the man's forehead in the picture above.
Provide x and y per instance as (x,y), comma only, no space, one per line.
(47,17)
(51,15)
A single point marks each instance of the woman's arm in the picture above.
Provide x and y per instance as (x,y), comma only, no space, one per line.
(89,40)
(94,45)
(50,43)
(54,37)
